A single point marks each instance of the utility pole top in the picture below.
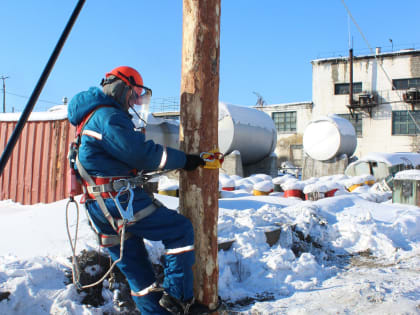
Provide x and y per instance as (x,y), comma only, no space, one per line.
(3,77)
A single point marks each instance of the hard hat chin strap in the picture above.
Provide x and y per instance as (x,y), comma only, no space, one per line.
(109,80)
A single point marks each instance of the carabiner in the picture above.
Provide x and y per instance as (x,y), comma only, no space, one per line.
(212,156)
(126,214)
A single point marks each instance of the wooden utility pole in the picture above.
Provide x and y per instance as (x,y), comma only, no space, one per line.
(199,133)
(3,77)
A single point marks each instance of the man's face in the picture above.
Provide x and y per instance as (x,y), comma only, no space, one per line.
(131,99)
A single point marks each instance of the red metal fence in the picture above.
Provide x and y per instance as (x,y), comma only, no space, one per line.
(38,168)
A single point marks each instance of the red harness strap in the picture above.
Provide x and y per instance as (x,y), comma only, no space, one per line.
(102,181)
(82,124)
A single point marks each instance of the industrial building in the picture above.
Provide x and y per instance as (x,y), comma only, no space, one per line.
(383,103)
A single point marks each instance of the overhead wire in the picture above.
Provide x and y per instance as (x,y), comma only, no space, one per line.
(39,101)
(376,59)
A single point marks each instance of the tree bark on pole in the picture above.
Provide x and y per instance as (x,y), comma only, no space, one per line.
(199,133)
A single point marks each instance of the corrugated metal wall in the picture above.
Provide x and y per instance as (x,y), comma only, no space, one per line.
(38,168)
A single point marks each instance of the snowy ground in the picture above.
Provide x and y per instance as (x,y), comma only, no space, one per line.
(354,253)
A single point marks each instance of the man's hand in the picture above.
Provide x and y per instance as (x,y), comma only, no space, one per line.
(192,162)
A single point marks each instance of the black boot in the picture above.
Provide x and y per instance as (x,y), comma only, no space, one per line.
(171,304)
(190,307)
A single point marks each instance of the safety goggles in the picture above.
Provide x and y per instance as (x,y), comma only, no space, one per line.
(142,93)
(144,98)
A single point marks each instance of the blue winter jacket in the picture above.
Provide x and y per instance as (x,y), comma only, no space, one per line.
(110,145)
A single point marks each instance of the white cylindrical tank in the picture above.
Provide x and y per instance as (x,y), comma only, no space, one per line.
(329,137)
(163,131)
(248,130)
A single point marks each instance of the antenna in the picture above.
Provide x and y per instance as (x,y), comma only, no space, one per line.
(260,100)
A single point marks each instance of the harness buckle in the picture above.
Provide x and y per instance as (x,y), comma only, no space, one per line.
(128,183)
(121,185)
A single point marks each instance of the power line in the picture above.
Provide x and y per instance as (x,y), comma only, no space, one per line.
(27,97)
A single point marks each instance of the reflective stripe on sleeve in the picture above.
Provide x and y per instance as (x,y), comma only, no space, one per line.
(151,288)
(179,250)
(93,134)
(163,159)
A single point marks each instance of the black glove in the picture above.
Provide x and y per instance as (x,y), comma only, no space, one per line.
(192,162)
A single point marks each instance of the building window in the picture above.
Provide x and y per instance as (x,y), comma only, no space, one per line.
(285,121)
(356,121)
(403,124)
(405,84)
(343,88)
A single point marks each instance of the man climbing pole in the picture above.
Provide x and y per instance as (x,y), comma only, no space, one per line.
(111,154)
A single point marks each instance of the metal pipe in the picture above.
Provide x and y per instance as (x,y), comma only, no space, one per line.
(38,88)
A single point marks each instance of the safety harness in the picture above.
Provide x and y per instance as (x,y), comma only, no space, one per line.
(100,188)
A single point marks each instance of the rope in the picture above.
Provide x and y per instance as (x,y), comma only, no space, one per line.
(376,59)
(75,266)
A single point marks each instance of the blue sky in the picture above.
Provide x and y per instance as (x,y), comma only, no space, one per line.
(266,46)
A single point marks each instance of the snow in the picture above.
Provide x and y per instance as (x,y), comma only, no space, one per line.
(58,112)
(167,184)
(408,174)
(405,158)
(354,253)
(358,180)
(293,184)
(315,188)
(265,186)
(226,182)
(244,184)
(281,179)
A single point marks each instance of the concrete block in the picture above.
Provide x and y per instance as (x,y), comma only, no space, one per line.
(315,168)
(232,164)
(267,166)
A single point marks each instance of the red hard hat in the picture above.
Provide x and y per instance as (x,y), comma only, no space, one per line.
(130,76)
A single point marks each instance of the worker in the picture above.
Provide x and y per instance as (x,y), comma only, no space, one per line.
(111,154)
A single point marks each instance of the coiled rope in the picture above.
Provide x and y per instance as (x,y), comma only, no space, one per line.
(75,266)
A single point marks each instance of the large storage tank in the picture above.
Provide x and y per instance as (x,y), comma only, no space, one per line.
(329,137)
(163,131)
(248,130)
